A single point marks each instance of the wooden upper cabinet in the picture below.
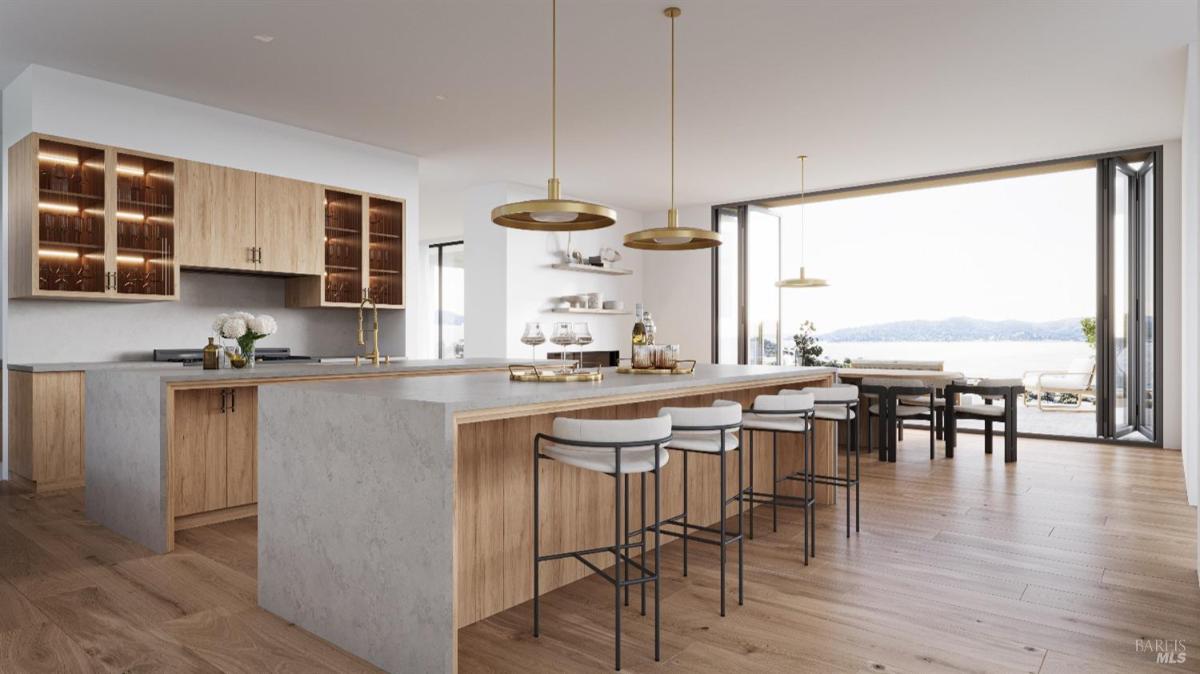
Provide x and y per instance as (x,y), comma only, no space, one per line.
(90,222)
(216,216)
(289,225)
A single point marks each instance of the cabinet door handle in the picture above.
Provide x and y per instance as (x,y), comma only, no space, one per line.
(250,252)
(224,393)
(258,256)
(233,400)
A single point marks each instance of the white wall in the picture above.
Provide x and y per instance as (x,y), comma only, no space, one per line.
(678,288)
(60,103)
(1190,279)
(1170,324)
(509,280)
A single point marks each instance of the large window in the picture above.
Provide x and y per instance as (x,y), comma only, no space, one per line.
(1006,274)
(445,280)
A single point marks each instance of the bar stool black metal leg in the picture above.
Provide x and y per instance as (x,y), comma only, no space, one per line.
(657,557)
(619,565)
(987,437)
(751,511)
(848,433)
(722,458)
(774,481)
(536,551)
(810,511)
(685,513)
(642,510)
(625,556)
(857,476)
(741,524)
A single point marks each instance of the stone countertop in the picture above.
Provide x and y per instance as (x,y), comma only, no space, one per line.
(89,367)
(177,374)
(492,390)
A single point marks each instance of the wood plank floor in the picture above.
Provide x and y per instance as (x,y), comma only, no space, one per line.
(1057,563)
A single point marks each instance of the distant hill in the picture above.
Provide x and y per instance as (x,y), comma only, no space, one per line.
(960,329)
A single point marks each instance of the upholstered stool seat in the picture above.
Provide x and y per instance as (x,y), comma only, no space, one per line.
(722,413)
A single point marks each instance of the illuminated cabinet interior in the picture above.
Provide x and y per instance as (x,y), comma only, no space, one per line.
(363,253)
(90,222)
(385,258)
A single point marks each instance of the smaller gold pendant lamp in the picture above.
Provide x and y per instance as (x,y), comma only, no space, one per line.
(553,214)
(801,281)
(673,237)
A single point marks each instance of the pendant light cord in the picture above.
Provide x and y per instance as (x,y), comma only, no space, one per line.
(553,88)
(803,207)
(672,113)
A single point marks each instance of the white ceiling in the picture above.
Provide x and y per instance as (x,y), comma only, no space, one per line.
(870,90)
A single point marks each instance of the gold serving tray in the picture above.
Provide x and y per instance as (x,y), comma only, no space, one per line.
(681,367)
(556,374)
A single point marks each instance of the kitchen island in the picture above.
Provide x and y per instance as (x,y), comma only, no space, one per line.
(394,509)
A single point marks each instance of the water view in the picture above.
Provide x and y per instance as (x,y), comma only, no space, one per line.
(981,358)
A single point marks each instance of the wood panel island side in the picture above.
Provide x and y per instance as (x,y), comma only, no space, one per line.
(394,509)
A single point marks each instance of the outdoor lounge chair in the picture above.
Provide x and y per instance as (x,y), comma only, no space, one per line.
(1079,380)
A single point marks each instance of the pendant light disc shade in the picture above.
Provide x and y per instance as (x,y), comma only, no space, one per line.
(673,238)
(802,281)
(553,215)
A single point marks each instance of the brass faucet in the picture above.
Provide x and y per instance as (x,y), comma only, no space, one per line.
(374,355)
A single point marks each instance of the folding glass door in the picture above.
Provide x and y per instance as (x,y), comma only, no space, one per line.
(1128,371)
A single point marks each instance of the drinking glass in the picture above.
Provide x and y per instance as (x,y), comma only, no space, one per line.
(533,337)
(563,336)
(583,337)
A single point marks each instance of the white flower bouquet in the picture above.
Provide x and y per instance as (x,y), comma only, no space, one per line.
(245,329)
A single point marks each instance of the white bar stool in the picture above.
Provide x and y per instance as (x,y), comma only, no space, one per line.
(777,414)
(839,403)
(617,448)
(711,431)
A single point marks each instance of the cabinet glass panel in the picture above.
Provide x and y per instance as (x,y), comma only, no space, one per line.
(343,247)
(386,254)
(145,222)
(70,217)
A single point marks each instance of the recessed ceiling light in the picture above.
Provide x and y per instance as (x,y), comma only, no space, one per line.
(440,97)
(264,38)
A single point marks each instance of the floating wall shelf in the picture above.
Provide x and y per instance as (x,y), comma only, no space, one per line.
(614,312)
(591,269)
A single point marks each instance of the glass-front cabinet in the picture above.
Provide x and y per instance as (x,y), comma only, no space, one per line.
(363,253)
(90,222)
(145,221)
(385,258)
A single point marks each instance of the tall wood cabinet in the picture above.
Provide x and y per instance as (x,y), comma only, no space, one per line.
(362,253)
(213,456)
(91,222)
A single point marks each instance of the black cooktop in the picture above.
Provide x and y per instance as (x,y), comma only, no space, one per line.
(196,356)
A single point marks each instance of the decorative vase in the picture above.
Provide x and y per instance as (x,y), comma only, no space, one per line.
(248,355)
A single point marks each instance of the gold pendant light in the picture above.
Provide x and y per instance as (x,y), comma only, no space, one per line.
(801,281)
(553,214)
(673,237)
